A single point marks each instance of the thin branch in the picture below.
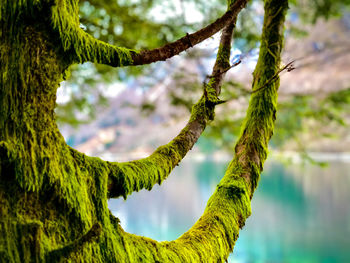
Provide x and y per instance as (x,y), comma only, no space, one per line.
(158,54)
(225,70)
(128,177)
(289,67)
(174,48)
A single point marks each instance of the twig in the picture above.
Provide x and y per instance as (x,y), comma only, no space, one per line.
(242,56)
(289,67)
(224,71)
(189,39)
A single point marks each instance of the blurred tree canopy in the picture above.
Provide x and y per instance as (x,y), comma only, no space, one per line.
(145,24)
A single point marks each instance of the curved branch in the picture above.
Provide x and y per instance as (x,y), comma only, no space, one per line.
(213,236)
(145,173)
(229,206)
(251,148)
(190,40)
(88,49)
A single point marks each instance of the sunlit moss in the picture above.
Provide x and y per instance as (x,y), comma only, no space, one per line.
(65,20)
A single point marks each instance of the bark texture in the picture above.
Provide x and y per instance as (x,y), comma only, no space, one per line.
(53,199)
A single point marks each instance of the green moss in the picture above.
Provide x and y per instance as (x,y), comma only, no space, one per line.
(65,19)
(78,45)
(47,197)
(223,58)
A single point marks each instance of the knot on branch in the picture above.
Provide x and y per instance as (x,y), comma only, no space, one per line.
(188,38)
(211,100)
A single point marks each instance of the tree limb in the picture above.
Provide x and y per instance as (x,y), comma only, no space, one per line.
(229,206)
(145,173)
(89,49)
(190,40)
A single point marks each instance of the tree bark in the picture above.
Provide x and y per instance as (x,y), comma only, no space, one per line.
(53,199)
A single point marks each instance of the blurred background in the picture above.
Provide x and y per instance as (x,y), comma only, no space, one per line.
(301,209)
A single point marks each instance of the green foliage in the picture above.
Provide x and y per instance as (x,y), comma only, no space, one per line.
(306,113)
(148,107)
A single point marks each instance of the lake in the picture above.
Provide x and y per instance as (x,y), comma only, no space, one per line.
(300,213)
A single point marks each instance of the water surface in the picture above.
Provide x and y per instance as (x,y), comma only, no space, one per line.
(299,213)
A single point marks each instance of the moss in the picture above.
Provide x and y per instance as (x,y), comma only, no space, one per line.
(65,19)
(47,198)
(145,173)
(223,59)
(200,109)
(258,126)
(78,45)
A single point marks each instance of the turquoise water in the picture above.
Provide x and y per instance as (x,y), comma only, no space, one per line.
(299,213)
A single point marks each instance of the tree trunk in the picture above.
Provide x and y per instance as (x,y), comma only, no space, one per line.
(44,203)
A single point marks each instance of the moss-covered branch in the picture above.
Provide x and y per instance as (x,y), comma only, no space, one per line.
(251,148)
(128,177)
(229,206)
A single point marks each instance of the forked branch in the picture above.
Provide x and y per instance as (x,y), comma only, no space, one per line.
(145,173)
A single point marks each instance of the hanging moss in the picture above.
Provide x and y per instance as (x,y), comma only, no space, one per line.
(64,19)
